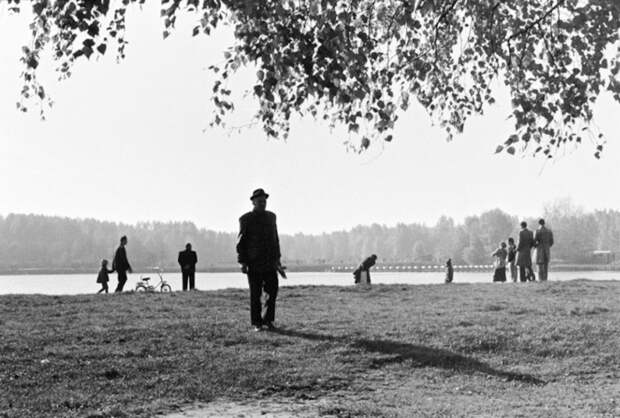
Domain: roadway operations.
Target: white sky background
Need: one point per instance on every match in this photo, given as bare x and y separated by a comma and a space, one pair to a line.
125, 142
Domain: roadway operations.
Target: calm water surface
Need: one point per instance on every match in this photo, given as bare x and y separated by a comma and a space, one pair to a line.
71, 284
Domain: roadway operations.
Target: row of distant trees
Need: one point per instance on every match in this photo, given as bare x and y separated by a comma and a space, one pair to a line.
44, 242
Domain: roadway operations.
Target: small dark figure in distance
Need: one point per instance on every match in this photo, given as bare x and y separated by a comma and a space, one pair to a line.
187, 260
544, 241
512, 259
524, 253
449, 271
500, 263
258, 250
102, 277
362, 272
121, 265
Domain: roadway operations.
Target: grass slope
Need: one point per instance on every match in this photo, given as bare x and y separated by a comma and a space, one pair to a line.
549, 349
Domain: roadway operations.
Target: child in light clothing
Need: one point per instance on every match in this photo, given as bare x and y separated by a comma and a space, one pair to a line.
500, 263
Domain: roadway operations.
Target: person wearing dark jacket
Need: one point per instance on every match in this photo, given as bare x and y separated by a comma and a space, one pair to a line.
121, 265
258, 250
364, 268
512, 259
449, 271
187, 260
544, 241
524, 253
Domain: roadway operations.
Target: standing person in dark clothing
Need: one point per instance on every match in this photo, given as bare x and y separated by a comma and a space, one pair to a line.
364, 270
187, 261
524, 253
102, 277
121, 265
512, 259
544, 241
449, 271
258, 250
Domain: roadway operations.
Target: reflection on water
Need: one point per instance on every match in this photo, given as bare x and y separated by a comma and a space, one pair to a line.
57, 284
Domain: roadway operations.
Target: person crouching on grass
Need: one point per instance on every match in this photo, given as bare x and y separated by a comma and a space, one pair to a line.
500, 263
102, 277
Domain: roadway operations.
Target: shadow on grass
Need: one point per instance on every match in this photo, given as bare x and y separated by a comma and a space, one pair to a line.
420, 356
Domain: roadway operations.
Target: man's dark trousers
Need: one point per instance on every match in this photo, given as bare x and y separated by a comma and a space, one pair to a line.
526, 273
260, 281
122, 278
188, 275
543, 271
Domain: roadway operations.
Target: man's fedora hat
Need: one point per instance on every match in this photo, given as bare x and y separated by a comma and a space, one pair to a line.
258, 193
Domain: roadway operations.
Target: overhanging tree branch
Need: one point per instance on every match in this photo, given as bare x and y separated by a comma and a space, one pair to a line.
535, 22
327, 59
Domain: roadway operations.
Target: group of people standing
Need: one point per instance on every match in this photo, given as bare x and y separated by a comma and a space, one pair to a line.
258, 250
120, 264
520, 255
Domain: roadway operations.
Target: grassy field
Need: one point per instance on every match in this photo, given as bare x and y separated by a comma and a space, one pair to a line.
533, 349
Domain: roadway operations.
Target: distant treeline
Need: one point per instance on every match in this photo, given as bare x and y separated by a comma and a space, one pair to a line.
55, 243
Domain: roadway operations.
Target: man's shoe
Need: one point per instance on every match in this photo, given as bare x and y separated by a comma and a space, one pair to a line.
257, 328
270, 326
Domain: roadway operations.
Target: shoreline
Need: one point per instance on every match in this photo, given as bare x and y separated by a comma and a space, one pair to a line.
392, 268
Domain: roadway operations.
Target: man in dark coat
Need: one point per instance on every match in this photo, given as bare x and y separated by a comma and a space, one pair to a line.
121, 265
187, 260
544, 241
365, 266
449, 271
258, 250
524, 253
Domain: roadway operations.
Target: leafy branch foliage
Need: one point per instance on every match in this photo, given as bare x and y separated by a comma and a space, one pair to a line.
361, 63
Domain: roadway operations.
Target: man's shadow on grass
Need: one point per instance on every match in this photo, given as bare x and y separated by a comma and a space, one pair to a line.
420, 356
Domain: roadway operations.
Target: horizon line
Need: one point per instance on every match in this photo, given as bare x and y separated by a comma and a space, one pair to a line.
199, 227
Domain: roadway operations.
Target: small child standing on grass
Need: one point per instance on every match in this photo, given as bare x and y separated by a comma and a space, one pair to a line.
102, 277
500, 263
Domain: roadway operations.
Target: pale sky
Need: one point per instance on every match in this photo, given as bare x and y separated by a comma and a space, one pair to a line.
125, 142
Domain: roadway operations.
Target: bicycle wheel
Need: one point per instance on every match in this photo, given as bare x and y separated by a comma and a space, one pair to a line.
140, 288
165, 288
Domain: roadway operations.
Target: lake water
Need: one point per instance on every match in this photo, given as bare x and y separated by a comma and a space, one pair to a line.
71, 284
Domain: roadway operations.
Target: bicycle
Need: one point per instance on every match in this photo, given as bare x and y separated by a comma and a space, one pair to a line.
143, 284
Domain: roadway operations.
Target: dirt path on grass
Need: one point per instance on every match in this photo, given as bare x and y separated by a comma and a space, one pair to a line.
251, 409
